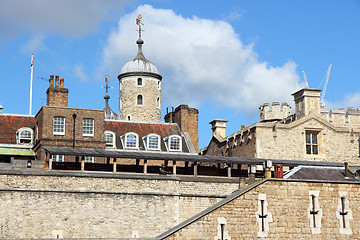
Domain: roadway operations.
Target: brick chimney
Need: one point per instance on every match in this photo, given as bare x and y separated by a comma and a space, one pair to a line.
57, 95
187, 119
218, 127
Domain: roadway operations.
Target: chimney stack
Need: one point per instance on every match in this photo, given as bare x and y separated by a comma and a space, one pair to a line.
218, 127
57, 96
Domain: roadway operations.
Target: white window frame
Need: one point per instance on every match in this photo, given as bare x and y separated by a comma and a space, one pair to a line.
58, 158
88, 159
311, 144
108, 144
19, 137
56, 125
168, 142
124, 140
147, 142
91, 133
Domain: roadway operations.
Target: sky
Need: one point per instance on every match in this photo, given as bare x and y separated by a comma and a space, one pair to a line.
225, 58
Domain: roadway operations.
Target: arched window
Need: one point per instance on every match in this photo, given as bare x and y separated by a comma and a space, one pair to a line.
130, 140
152, 142
139, 81
174, 143
158, 102
109, 138
24, 135
139, 100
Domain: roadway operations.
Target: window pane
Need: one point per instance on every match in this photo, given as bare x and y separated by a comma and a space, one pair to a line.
88, 126
139, 100
314, 138
131, 141
59, 125
308, 138
153, 142
308, 149
315, 149
174, 143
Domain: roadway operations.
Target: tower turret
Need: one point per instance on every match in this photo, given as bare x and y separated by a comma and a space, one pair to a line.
140, 87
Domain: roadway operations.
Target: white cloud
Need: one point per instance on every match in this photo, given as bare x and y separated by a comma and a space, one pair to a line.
350, 100
78, 72
68, 17
34, 45
199, 60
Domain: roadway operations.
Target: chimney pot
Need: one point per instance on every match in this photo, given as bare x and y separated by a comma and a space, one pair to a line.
51, 80
61, 82
56, 80
346, 170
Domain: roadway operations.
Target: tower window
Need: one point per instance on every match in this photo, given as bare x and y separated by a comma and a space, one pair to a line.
139, 81
139, 100
158, 102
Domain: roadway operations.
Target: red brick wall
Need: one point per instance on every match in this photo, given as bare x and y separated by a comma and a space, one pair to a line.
187, 119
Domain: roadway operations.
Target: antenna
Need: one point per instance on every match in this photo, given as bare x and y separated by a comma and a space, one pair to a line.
305, 79
31, 81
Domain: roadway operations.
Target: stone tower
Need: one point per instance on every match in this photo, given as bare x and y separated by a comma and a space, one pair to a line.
140, 88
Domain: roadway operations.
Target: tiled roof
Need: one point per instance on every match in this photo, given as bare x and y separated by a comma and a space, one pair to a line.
9, 124
164, 130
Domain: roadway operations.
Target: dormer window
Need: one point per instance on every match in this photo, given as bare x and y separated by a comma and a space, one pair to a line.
139, 81
24, 136
130, 140
109, 138
174, 143
152, 142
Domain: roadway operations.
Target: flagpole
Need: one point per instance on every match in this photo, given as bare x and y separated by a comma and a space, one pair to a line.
31, 81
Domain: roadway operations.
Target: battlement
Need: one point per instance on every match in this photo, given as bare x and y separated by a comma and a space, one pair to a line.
340, 116
275, 112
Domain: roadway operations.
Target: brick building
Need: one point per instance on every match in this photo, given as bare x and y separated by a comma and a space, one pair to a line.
312, 133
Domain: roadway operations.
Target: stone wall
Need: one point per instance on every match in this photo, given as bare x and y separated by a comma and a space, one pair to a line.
150, 90
287, 206
287, 141
89, 205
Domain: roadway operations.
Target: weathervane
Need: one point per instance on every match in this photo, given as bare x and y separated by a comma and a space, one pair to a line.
107, 84
139, 23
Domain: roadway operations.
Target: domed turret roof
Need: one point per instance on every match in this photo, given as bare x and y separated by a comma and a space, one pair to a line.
139, 63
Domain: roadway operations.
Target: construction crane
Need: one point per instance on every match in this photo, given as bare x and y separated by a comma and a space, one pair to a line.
322, 101
305, 79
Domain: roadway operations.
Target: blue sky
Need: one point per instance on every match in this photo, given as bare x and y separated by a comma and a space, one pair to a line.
225, 58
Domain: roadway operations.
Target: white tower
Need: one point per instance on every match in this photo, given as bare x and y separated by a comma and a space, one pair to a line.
140, 87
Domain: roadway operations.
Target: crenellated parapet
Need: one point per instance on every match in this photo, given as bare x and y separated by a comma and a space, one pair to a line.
340, 116
274, 112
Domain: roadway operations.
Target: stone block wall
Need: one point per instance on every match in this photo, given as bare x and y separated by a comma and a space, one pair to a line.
150, 90
288, 213
89, 205
288, 142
